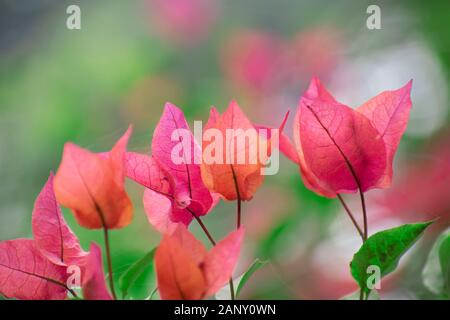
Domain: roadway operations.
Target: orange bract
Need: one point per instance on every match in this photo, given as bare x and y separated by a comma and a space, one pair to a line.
179, 274
187, 271
92, 186
234, 154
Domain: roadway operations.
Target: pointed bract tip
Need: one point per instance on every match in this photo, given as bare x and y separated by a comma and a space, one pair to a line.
407, 87
409, 84
213, 110
125, 137
170, 106
233, 104
129, 130
313, 88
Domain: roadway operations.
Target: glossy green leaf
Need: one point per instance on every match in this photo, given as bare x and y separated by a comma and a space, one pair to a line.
384, 250
257, 264
444, 259
129, 277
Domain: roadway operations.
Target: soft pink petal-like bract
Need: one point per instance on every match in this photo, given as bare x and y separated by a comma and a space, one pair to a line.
159, 211
284, 143
146, 171
221, 260
53, 236
172, 138
26, 274
93, 278
176, 191
159, 204
341, 150
389, 113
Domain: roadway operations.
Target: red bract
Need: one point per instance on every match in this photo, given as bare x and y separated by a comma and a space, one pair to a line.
53, 236
341, 150
388, 112
93, 283
36, 269
185, 270
26, 274
92, 186
175, 191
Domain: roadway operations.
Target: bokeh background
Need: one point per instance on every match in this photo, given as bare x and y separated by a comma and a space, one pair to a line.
86, 86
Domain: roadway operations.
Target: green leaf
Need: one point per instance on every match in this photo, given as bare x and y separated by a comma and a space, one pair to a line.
257, 264
239, 282
384, 250
129, 277
444, 259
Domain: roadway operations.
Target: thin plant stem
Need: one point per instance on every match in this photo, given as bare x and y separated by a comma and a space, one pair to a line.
109, 262
363, 204
238, 200
202, 225
238, 222
72, 292
347, 209
233, 296
108, 252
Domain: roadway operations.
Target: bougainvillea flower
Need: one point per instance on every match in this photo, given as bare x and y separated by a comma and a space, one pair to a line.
341, 150
175, 190
26, 274
92, 186
93, 278
53, 236
234, 154
187, 271
159, 201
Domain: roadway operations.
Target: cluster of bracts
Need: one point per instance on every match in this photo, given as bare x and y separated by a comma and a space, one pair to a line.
338, 150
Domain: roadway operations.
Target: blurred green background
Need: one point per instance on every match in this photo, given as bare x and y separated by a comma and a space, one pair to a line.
86, 86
